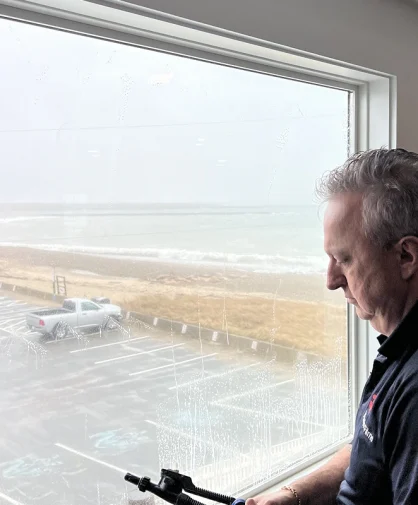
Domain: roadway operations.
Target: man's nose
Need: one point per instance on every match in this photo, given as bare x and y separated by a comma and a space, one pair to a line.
335, 278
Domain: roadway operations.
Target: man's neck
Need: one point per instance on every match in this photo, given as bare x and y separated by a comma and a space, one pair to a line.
388, 323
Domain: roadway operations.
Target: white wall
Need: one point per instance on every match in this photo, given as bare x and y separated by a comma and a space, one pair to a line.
377, 34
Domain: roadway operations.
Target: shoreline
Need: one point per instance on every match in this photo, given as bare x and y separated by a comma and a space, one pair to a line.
152, 271
295, 310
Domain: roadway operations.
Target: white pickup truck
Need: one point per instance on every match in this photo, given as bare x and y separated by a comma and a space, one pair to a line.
78, 313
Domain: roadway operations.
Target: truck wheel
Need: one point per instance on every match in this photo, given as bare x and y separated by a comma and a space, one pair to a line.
60, 331
111, 324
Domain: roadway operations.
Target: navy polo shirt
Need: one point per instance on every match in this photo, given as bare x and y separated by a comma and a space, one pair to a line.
384, 458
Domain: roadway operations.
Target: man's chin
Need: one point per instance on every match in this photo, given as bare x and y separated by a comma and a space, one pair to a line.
362, 314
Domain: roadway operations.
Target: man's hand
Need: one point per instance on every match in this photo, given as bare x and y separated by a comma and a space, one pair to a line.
318, 488
282, 497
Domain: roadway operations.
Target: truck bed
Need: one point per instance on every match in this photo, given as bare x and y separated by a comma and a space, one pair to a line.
50, 312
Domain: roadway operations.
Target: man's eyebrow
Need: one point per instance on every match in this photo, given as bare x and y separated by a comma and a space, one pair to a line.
336, 252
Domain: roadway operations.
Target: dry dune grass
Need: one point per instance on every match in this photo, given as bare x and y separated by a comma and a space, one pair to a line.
290, 310
308, 326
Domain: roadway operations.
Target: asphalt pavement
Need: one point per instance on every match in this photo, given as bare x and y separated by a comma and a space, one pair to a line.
77, 413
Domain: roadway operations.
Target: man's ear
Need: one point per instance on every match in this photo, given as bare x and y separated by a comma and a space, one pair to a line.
408, 253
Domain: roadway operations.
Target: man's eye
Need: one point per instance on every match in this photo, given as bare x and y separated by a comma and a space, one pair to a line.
343, 261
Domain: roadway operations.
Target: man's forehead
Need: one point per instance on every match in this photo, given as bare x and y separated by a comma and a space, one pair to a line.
344, 208
342, 221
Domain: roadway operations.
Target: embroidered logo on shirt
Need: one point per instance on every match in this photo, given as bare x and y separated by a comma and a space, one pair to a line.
366, 430
371, 403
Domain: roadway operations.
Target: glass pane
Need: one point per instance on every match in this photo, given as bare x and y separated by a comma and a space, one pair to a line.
178, 195
89, 306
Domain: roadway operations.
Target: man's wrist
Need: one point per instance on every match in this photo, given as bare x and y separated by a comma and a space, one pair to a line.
291, 491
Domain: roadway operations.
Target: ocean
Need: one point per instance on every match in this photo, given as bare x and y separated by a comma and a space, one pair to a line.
279, 239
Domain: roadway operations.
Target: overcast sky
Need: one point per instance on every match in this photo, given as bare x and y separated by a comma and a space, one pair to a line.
93, 121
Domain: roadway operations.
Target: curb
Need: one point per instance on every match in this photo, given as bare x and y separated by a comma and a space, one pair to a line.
31, 292
235, 342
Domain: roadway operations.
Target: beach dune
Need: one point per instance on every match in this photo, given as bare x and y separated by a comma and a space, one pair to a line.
288, 309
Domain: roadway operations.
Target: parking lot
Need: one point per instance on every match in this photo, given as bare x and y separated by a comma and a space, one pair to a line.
79, 412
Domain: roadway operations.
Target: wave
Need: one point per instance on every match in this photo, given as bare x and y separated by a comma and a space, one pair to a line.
23, 218
275, 263
106, 213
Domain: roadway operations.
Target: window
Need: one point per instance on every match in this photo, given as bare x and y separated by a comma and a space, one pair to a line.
69, 305
89, 306
182, 190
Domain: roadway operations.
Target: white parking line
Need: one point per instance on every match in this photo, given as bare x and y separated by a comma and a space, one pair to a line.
8, 321
192, 435
173, 364
12, 304
22, 306
108, 345
10, 500
138, 354
251, 391
69, 449
14, 325
245, 410
276, 416
17, 320
5, 303
10, 318
4, 307
20, 328
14, 322
10, 313
62, 340
7, 331
211, 377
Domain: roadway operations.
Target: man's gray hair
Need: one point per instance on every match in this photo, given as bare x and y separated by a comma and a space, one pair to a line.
388, 179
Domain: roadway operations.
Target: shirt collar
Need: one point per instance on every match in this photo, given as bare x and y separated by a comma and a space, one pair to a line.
404, 335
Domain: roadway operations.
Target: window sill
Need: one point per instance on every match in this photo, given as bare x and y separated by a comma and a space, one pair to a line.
298, 475
292, 474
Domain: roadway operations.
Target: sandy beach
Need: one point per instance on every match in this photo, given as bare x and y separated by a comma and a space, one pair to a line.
290, 309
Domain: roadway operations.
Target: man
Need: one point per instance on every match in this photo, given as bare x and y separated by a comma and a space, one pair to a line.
371, 239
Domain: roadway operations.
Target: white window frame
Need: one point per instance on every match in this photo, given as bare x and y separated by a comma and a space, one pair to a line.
373, 103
